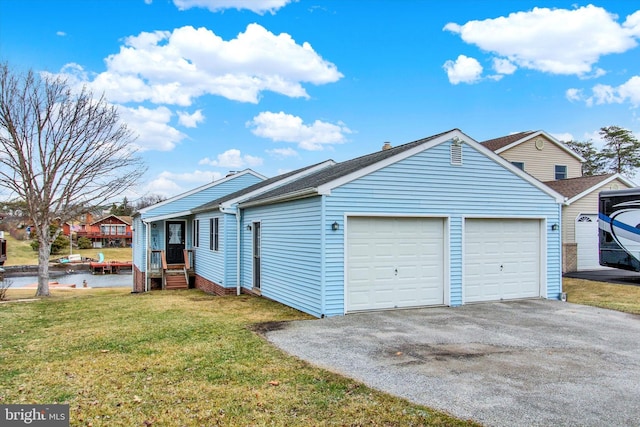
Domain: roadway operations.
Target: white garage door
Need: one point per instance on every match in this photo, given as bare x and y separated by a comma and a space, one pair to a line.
394, 262
587, 241
501, 259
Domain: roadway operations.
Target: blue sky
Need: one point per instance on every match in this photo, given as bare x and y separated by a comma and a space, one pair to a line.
212, 86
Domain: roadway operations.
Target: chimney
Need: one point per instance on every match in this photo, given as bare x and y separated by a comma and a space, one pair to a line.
386, 146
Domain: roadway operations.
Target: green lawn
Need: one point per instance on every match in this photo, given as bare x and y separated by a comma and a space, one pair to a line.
606, 295
19, 252
174, 358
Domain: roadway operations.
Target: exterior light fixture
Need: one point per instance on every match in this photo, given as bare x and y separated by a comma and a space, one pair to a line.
335, 226
249, 227
554, 227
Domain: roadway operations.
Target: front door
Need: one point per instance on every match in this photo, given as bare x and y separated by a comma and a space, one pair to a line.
257, 243
175, 242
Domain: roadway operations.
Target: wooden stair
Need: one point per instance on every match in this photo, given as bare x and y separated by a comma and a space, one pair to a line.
175, 279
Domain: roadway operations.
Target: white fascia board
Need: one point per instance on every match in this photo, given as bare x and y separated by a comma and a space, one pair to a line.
325, 189
239, 199
590, 190
167, 216
201, 188
559, 198
549, 137
300, 194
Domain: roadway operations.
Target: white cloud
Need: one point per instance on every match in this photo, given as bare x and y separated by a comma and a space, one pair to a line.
190, 120
606, 94
556, 41
564, 137
282, 153
257, 6
232, 158
61, 33
574, 94
152, 127
174, 67
169, 183
504, 66
288, 128
463, 70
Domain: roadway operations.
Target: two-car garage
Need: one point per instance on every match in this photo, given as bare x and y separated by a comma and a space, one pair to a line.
399, 262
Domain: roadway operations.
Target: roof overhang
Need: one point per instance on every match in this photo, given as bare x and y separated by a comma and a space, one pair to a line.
602, 183
546, 135
167, 216
300, 194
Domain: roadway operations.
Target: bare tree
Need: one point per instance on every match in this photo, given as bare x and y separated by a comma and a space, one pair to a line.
60, 151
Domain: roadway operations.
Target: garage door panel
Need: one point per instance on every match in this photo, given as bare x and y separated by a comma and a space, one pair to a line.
405, 256
502, 259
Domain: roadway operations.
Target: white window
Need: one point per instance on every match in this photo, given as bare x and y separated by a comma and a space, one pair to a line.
561, 172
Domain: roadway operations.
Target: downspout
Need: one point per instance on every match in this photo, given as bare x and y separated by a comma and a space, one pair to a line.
238, 213
323, 245
238, 252
146, 255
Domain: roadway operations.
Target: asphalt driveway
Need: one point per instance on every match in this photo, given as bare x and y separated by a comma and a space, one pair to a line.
520, 363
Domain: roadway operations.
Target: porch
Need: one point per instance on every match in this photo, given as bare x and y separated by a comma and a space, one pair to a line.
161, 275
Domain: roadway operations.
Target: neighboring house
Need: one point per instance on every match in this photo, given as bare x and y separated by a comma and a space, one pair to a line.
163, 232
438, 221
103, 230
549, 160
580, 217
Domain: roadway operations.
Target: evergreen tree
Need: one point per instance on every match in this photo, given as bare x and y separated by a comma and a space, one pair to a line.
621, 153
594, 163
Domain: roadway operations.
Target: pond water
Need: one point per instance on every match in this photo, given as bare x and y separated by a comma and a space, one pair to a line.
121, 280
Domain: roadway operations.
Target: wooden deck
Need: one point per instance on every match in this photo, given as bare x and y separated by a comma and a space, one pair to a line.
109, 267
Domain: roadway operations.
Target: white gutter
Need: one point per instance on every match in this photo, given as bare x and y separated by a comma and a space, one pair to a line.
237, 213
238, 223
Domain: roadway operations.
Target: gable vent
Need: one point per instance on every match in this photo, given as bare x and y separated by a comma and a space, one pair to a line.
456, 152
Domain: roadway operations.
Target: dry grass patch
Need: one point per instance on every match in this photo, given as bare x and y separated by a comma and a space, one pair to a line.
624, 298
177, 358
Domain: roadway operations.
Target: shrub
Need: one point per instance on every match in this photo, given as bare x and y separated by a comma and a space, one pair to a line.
84, 243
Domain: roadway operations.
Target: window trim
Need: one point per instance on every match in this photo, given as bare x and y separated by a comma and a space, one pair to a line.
214, 234
566, 172
196, 233
519, 165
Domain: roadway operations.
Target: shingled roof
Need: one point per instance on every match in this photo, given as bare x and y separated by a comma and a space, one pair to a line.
573, 186
498, 143
339, 170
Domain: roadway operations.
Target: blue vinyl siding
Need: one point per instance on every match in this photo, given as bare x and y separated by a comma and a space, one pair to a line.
211, 264
139, 243
207, 194
291, 253
427, 184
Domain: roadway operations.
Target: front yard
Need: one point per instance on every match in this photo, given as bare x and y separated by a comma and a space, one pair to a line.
176, 358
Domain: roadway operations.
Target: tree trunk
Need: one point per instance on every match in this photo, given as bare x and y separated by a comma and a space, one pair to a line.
43, 264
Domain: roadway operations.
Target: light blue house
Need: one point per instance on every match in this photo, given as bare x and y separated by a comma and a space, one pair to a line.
164, 231
438, 221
